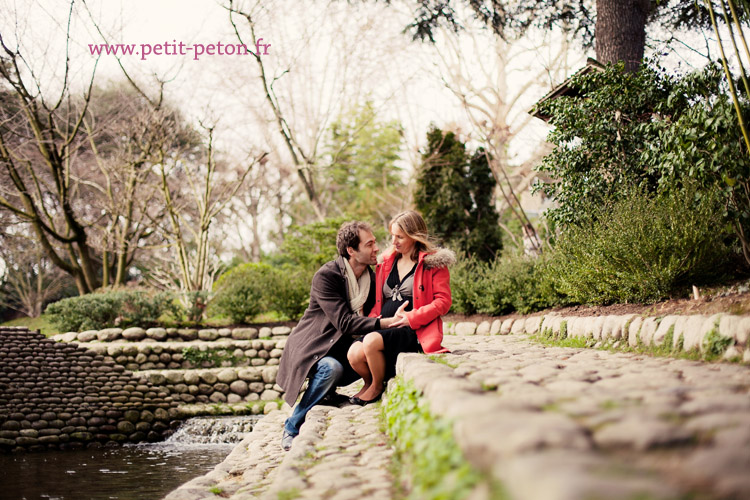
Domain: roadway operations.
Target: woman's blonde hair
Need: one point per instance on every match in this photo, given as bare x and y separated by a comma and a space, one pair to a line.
413, 225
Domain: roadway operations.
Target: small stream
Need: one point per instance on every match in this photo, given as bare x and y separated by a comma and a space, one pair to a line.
131, 472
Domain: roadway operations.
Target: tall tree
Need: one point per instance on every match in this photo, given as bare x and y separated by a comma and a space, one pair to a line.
40, 136
360, 166
616, 28
454, 191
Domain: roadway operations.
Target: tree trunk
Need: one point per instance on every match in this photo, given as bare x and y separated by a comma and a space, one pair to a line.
621, 31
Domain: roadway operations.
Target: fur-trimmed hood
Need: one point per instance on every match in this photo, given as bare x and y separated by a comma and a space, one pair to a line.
442, 257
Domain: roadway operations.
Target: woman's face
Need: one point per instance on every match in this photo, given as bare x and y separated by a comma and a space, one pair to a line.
401, 241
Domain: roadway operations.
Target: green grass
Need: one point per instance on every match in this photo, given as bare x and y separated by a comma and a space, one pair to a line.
714, 345
424, 444
41, 323
441, 359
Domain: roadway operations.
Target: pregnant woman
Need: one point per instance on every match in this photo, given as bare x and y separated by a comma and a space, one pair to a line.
413, 273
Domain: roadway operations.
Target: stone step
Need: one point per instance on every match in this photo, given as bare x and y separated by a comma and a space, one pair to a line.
137, 356
340, 453
598, 424
217, 385
630, 329
137, 334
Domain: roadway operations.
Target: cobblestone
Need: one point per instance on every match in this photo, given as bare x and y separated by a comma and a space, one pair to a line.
563, 423
547, 423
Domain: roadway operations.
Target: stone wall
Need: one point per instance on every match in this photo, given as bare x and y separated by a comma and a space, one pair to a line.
58, 395
196, 365
688, 332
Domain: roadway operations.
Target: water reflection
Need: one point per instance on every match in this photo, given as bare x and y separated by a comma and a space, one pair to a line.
125, 473
131, 472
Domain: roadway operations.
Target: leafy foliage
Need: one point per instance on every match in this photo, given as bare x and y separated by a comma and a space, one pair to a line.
108, 309
250, 289
360, 166
641, 248
243, 292
510, 283
311, 245
425, 444
510, 19
645, 129
454, 192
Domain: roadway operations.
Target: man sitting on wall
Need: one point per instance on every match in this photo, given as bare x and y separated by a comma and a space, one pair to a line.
342, 294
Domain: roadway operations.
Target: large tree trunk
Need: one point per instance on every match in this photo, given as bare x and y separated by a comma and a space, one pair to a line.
621, 31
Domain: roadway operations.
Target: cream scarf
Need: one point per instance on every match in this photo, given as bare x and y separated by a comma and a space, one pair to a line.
359, 289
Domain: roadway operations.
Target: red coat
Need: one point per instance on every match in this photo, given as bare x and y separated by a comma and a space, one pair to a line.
432, 295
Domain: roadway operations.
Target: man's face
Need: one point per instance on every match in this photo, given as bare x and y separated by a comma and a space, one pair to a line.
367, 252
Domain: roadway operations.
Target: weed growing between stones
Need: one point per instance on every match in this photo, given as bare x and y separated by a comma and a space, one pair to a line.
666, 348
489, 386
441, 359
715, 344
209, 357
216, 490
424, 444
289, 494
548, 337
563, 330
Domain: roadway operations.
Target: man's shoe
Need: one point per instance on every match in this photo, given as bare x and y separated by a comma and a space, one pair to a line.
286, 441
333, 398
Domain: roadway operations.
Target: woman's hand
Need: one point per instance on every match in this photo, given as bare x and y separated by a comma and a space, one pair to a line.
398, 320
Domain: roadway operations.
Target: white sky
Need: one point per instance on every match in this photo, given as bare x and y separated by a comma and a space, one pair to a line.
197, 86
397, 73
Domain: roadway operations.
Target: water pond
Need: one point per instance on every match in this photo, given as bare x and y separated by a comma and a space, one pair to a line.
135, 472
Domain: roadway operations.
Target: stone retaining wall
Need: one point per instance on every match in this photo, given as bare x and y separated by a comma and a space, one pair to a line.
57, 395
137, 334
138, 356
196, 365
691, 332
218, 385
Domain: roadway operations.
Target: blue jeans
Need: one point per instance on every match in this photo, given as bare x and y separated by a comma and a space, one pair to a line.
323, 377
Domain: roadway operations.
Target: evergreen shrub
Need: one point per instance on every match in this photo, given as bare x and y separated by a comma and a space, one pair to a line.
108, 309
250, 289
641, 249
243, 292
511, 283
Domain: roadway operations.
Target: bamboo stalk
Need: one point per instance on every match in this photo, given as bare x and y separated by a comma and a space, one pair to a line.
736, 50
729, 75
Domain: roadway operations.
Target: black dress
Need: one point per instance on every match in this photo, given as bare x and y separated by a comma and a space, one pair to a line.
401, 339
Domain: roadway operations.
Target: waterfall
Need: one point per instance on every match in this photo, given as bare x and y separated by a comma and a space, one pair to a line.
213, 430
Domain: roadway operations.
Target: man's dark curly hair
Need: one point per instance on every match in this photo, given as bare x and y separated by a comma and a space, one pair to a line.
348, 236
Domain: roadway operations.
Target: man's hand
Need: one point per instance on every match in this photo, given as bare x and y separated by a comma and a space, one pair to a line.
398, 320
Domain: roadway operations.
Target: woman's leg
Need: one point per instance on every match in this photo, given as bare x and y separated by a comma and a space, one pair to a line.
373, 346
357, 359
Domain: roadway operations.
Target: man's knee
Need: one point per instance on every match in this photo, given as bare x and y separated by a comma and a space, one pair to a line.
328, 367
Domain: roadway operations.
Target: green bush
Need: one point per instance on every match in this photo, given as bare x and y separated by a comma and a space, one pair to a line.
511, 283
107, 309
250, 289
243, 292
641, 249
292, 294
466, 285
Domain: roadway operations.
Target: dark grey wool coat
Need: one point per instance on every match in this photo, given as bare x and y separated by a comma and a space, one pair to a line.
327, 318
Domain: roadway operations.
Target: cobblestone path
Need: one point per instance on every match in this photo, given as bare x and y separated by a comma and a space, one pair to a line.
547, 422
340, 454
562, 423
